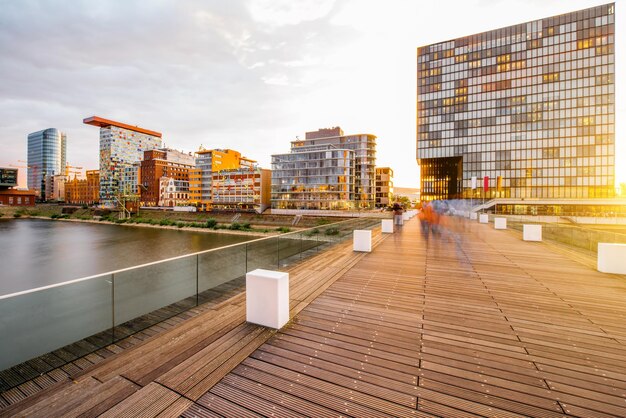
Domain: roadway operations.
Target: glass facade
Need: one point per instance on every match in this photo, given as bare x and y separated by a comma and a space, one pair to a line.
529, 107
8, 177
46, 158
327, 170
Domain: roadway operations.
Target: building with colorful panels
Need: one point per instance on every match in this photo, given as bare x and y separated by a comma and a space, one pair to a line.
121, 149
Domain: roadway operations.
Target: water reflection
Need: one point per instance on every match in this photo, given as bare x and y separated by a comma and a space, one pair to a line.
35, 253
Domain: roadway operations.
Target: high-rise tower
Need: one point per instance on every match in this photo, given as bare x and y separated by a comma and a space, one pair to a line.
121, 150
528, 109
46, 158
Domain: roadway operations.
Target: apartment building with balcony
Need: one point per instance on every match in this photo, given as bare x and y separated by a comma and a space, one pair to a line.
209, 162
384, 186
326, 171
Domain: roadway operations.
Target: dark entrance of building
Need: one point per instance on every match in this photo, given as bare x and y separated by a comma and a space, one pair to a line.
441, 178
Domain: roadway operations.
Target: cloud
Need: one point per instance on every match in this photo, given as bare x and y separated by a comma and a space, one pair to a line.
243, 74
197, 71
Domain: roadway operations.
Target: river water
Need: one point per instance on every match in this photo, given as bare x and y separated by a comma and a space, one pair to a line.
36, 253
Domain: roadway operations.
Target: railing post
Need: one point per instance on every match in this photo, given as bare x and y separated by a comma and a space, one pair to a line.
112, 308
197, 279
278, 252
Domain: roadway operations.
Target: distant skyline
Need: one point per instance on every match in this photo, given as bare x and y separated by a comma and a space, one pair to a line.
247, 75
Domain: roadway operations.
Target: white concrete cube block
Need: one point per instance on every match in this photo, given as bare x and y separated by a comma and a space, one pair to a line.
532, 232
499, 223
484, 218
387, 226
473, 216
362, 240
612, 258
267, 298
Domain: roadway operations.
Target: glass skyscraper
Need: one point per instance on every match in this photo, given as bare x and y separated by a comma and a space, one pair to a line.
528, 109
46, 157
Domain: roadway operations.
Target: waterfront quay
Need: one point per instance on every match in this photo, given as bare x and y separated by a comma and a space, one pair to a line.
470, 322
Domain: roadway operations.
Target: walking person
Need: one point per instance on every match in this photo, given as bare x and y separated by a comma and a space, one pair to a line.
397, 214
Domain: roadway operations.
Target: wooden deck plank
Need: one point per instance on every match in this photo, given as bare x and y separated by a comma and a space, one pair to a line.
474, 322
149, 401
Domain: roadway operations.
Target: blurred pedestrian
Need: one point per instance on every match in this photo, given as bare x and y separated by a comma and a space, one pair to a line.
397, 214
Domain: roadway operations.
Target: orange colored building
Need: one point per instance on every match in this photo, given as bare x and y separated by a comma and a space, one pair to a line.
83, 191
207, 163
159, 163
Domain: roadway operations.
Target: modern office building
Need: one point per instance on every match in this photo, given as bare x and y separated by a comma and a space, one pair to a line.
527, 110
164, 163
384, 186
246, 189
9, 195
326, 170
83, 191
8, 178
209, 162
121, 150
46, 157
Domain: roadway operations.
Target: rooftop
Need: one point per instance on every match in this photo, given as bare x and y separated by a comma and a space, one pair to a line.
471, 322
103, 123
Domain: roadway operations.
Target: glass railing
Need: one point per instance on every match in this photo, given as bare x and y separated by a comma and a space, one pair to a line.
99, 310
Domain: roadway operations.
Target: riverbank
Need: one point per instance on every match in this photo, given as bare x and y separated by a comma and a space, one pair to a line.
249, 232
226, 223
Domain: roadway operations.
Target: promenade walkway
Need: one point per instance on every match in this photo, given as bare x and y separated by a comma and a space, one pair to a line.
473, 322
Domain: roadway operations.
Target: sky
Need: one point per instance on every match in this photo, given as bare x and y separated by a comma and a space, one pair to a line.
250, 75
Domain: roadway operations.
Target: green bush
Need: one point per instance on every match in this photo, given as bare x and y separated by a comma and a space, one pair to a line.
17, 215
312, 232
165, 222
283, 229
235, 226
332, 231
181, 224
54, 216
211, 223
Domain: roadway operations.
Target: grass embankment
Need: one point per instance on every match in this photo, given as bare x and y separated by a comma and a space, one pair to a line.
245, 222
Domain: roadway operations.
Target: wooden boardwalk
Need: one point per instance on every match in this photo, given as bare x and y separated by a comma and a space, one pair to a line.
473, 322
